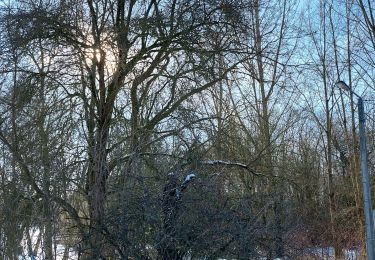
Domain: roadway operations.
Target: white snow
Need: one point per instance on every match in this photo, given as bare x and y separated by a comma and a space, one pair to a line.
189, 177
329, 252
213, 162
34, 234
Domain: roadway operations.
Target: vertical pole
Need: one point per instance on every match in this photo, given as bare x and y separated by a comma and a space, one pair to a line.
366, 183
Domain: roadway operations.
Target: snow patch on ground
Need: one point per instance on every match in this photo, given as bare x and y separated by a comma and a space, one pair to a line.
58, 251
327, 253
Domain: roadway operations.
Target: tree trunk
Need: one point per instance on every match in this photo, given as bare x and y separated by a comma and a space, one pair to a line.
277, 249
45, 162
168, 248
98, 172
354, 154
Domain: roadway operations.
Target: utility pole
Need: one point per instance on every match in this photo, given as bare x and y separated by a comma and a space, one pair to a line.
369, 223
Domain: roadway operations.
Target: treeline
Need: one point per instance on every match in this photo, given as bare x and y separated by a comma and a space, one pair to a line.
182, 129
